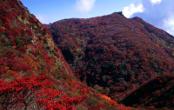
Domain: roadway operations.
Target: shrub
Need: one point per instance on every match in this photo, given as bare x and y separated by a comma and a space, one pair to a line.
35, 91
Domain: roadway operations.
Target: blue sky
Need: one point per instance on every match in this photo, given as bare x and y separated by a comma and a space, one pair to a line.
52, 10
157, 12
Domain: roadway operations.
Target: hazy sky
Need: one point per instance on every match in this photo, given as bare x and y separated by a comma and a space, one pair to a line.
157, 12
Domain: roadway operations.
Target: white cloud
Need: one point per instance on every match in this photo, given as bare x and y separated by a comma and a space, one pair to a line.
156, 12
154, 2
169, 24
85, 5
128, 11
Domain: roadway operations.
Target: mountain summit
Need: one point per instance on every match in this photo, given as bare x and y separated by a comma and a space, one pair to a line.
118, 56
120, 59
33, 72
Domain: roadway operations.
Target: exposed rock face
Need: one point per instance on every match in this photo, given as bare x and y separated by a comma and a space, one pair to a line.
113, 54
33, 72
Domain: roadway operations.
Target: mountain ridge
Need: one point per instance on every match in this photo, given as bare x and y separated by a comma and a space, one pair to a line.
104, 52
114, 54
33, 72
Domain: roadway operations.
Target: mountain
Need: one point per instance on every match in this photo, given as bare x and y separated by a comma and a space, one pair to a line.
33, 72
157, 92
118, 56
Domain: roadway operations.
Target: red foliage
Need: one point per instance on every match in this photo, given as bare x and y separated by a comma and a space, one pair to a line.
42, 88
105, 52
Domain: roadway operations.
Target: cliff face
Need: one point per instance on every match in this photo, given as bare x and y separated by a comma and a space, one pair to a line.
113, 54
33, 72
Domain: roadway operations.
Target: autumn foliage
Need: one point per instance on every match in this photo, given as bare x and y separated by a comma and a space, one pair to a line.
35, 76
24, 91
113, 54
33, 72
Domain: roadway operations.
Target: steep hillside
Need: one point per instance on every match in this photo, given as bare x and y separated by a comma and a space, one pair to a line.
157, 92
113, 54
33, 72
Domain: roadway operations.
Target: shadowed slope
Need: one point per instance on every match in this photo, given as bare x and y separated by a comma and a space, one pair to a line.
156, 92
33, 72
113, 54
